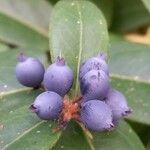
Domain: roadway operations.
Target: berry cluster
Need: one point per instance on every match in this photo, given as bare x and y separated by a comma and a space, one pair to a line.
99, 107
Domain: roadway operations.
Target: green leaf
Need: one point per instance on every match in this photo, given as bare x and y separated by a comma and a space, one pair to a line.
77, 35
19, 128
122, 138
24, 23
147, 4
72, 138
141, 130
3, 47
131, 60
106, 7
129, 15
8, 61
129, 68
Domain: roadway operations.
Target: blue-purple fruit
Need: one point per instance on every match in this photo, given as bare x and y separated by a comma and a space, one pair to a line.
118, 104
29, 71
47, 105
58, 77
94, 85
94, 63
96, 115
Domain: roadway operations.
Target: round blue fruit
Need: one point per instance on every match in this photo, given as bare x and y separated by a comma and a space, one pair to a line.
118, 104
29, 71
96, 115
94, 63
58, 77
94, 85
47, 105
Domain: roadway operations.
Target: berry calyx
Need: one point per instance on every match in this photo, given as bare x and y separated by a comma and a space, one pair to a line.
60, 61
71, 111
22, 57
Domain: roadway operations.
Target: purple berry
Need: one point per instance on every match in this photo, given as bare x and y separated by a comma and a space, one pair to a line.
118, 104
94, 63
58, 77
47, 105
94, 85
29, 71
96, 115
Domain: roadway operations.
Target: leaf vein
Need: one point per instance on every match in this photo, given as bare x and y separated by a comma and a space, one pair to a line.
80, 47
26, 23
24, 133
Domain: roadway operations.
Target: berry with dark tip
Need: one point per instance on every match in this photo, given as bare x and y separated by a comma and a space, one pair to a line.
94, 63
94, 85
47, 105
29, 71
118, 104
102, 56
96, 115
58, 77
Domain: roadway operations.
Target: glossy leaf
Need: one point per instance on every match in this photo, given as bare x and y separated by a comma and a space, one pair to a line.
106, 7
130, 60
77, 35
72, 138
19, 128
141, 130
129, 67
147, 4
122, 138
24, 22
129, 15
8, 61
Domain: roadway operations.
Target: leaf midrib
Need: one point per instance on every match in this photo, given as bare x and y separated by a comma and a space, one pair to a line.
80, 47
130, 78
14, 91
